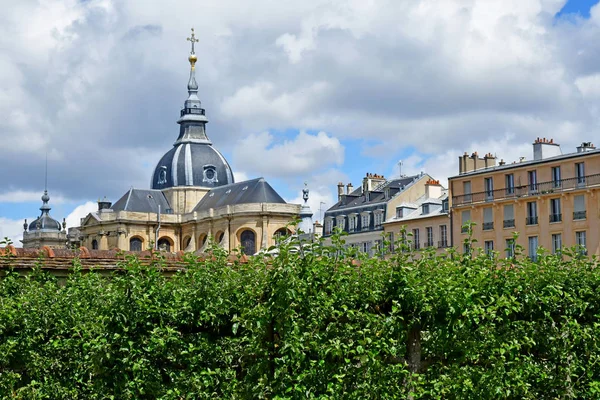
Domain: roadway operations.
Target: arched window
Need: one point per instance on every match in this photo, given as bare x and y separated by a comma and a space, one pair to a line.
202, 240
186, 242
248, 242
135, 244
164, 244
94, 244
282, 232
219, 237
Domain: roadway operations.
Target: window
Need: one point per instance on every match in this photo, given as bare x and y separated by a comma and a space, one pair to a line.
329, 225
489, 188
391, 239
509, 181
94, 244
532, 218
532, 181
580, 241
416, 239
378, 218
467, 248
164, 244
580, 173
465, 219
556, 177
556, 243
135, 244
489, 247
443, 236
365, 221
341, 222
425, 208
579, 207
555, 215
399, 212
352, 222
533, 247
509, 216
510, 248
488, 219
445, 206
365, 248
467, 191
429, 231
248, 242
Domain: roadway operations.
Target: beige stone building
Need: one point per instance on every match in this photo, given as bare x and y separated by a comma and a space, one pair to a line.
193, 199
426, 221
552, 200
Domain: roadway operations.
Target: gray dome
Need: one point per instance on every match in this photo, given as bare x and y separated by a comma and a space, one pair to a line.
45, 222
192, 164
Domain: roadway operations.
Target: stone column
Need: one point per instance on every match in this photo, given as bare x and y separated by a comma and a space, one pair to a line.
121, 239
265, 227
103, 245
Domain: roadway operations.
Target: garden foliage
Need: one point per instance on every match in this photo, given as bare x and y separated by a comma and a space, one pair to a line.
307, 324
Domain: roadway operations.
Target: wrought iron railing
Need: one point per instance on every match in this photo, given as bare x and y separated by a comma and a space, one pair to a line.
428, 243
508, 223
555, 217
534, 189
531, 220
488, 226
579, 215
192, 110
443, 244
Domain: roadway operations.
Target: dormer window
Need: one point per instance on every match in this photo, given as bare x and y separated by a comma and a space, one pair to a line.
445, 206
425, 208
399, 212
210, 174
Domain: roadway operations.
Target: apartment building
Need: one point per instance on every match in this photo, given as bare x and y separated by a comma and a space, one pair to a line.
362, 212
426, 222
551, 200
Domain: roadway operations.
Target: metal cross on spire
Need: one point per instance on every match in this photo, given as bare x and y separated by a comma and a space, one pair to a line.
193, 40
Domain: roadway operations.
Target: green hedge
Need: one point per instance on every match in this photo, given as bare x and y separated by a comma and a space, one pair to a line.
308, 325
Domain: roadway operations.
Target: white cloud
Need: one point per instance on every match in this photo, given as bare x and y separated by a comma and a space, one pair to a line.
22, 196
81, 211
13, 229
302, 156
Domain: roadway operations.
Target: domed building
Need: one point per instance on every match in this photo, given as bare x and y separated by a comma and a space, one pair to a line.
44, 230
193, 199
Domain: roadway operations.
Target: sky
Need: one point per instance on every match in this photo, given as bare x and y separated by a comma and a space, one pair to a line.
317, 91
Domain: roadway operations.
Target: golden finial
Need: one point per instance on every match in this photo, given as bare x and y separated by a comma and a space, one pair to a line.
192, 56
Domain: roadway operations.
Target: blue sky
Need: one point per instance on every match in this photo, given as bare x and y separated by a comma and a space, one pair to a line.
317, 91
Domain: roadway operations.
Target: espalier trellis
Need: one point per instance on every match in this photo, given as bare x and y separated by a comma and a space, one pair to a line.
310, 322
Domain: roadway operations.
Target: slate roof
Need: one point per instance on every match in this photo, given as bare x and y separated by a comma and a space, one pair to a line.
435, 208
252, 191
357, 198
142, 200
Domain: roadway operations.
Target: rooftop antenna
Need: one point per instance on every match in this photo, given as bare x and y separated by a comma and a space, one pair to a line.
46, 176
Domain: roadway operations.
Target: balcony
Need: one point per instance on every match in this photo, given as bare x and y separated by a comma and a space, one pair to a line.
579, 215
197, 111
555, 217
537, 189
488, 226
442, 244
531, 220
509, 223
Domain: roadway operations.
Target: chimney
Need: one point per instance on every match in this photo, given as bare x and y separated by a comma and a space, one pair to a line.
545, 148
433, 189
104, 204
340, 186
585, 146
350, 188
489, 160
